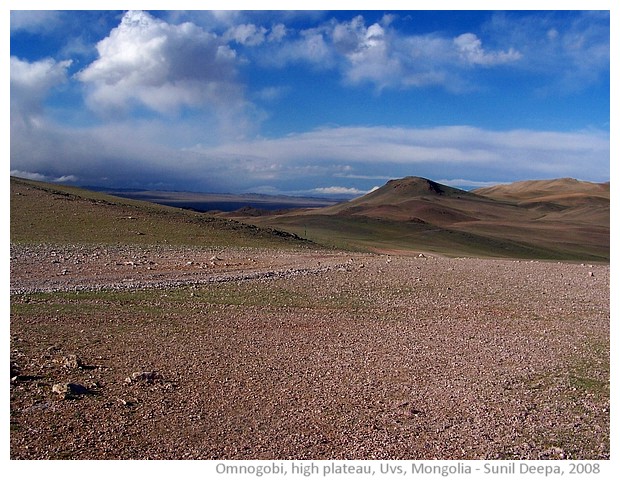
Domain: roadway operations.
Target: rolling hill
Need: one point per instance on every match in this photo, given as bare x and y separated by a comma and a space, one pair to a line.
51, 213
564, 199
559, 219
563, 191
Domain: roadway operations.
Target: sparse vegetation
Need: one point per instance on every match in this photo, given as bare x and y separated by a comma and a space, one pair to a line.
44, 213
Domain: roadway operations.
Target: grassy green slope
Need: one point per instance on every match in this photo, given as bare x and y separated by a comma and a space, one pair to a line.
42, 212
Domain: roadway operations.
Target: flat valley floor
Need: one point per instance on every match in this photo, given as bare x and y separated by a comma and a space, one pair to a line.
189, 353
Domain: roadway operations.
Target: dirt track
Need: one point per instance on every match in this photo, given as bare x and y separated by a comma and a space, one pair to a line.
255, 354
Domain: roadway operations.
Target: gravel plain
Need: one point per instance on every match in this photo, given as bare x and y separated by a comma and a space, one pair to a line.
122, 352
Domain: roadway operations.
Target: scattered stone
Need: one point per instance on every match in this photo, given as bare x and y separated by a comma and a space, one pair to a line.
555, 453
127, 403
14, 370
72, 361
147, 377
69, 390
461, 400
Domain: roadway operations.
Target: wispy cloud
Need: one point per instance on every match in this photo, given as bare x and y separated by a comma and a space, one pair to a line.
533, 153
246, 34
34, 21
386, 57
335, 190
467, 184
573, 50
44, 178
470, 49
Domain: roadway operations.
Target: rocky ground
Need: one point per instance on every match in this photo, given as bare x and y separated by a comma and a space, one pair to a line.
188, 353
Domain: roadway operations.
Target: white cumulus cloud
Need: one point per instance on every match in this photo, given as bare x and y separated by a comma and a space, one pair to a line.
38, 77
31, 82
368, 51
149, 62
277, 33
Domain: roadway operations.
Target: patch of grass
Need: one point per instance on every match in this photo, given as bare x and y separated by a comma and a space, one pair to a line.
590, 371
589, 384
159, 302
582, 386
275, 294
587, 373
151, 301
254, 295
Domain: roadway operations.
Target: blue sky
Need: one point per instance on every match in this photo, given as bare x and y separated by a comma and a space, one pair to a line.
309, 102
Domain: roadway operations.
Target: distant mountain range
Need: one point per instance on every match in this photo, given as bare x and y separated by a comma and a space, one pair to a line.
208, 202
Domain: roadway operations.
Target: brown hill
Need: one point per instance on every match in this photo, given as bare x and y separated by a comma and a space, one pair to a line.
544, 219
563, 191
564, 199
420, 199
405, 188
